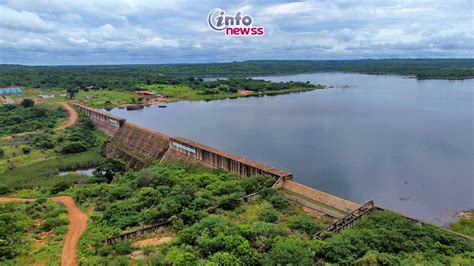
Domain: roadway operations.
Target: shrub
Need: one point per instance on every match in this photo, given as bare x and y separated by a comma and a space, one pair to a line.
4, 189
268, 215
290, 251
278, 202
305, 224
60, 187
53, 222
27, 103
225, 258
230, 202
73, 147
123, 247
2, 153
26, 150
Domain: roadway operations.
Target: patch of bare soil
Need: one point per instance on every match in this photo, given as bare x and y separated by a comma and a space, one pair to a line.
246, 92
152, 241
8, 199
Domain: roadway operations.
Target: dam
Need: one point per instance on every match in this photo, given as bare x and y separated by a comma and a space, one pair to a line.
140, 146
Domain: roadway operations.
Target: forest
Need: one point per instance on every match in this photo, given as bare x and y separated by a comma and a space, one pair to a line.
127, 76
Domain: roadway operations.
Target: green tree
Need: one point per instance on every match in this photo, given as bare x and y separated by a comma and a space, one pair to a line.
290, 251
109, 168
27, 103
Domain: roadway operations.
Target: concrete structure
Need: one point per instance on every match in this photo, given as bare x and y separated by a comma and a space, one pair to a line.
107, 123
318, 200
216, 158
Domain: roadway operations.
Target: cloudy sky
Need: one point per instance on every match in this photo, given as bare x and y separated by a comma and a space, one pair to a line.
51, 32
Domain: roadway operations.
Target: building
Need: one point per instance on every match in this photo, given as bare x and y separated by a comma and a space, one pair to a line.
12, 90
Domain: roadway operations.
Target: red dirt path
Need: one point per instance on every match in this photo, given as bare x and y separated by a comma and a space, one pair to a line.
77, 225
72, 117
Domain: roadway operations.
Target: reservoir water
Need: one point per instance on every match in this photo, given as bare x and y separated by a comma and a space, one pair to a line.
406, 143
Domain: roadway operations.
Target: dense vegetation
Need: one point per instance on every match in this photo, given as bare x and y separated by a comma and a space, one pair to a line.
18, 118
31, 232
125, 76
209, 224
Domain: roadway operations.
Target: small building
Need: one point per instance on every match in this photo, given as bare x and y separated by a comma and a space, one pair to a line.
46, 96
10, 91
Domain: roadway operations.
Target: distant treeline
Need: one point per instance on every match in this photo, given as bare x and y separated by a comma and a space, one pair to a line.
125, 76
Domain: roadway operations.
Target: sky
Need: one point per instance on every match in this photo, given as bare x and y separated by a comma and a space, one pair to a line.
73, 32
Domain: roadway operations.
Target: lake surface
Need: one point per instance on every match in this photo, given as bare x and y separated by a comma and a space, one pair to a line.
406, 143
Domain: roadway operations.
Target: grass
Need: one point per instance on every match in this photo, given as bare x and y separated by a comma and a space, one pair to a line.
184, 92
465, 225
44, 172
105, 98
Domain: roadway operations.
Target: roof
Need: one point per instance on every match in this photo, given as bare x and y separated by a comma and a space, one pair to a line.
261, 166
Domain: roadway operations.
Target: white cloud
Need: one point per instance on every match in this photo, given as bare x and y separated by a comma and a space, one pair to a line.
120, 30
23, 21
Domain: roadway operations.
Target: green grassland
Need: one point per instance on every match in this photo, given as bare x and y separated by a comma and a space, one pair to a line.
465, 225
105, 98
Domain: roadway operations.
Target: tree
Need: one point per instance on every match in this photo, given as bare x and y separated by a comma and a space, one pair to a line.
109, 168
27, 103
73, 147
290, 251
71, 91
2, 153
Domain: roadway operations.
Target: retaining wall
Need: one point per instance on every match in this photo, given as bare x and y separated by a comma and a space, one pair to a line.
107, 123
315, 199
142, 141
215, 158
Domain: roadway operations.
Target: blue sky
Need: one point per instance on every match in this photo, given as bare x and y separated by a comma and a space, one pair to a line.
51, 32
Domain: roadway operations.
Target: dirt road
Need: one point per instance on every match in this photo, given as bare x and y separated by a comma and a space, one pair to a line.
72, 117
77, 225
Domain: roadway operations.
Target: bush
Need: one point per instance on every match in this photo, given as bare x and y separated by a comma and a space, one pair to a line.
2, 153
4, 189
230, 202
60, 187
53, 222
268, 215
123, 247
279, 202
225, 258
27, 103
73, 147
290, 251
26, 150
305, 224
